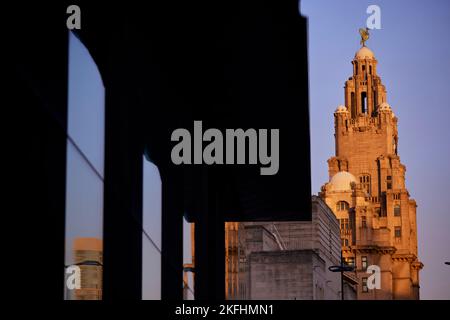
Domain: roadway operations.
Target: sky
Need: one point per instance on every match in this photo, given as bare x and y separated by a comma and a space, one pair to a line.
413, 52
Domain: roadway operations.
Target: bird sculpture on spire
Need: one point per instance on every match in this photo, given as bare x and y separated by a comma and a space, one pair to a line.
364, 35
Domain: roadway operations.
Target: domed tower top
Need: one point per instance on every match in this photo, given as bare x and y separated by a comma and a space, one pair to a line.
364, 53
364, 91
342, 181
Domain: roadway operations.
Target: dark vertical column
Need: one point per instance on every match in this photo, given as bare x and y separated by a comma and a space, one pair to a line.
210, 242
218, 230
172, 236
37, 100
123, 176
122, 202
37, 207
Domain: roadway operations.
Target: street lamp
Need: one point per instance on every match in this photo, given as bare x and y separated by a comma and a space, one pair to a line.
341, 268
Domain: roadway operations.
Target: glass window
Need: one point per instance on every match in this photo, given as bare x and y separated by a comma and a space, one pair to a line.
151, 270
398, 232
344, 224
342, 206
397, 210
84, 176
363, 222
389, 182
188, 260
350, 261
151, 206
151, 237
364, 285
364, 262
86, 111
365, 183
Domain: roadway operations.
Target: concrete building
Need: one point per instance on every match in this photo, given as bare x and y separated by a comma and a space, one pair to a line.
284, 260
367, 190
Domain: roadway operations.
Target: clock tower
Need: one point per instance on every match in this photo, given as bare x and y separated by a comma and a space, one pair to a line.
367, 189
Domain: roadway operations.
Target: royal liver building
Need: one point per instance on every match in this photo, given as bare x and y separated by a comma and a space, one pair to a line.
367, 189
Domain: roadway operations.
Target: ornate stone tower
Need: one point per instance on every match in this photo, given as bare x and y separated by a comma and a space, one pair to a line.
367, 189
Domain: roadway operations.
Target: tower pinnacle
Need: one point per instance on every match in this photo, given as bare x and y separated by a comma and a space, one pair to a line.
364, 36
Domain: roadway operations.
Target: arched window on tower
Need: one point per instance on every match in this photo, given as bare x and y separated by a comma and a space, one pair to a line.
389, 182
342, 206
374, 94
363, 102
397, 211
364, 180
394, 145
353, 102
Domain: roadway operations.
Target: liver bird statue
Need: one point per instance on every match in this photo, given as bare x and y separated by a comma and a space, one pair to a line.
364, 35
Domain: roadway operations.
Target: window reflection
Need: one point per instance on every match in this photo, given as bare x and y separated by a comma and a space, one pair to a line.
86, 112
151, 237
188, 260
151, 270
84, 176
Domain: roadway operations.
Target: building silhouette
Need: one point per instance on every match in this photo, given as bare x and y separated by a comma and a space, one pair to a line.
367, 189
161, 68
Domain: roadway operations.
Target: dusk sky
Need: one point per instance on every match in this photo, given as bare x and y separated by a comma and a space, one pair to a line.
413, 53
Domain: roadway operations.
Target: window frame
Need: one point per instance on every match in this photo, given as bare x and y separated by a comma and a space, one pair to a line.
364, 286
342, 206
364, 262
397, 210
348, 263
365, 181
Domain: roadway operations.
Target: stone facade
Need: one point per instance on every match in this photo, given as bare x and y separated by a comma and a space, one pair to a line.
284, 260
367, 190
